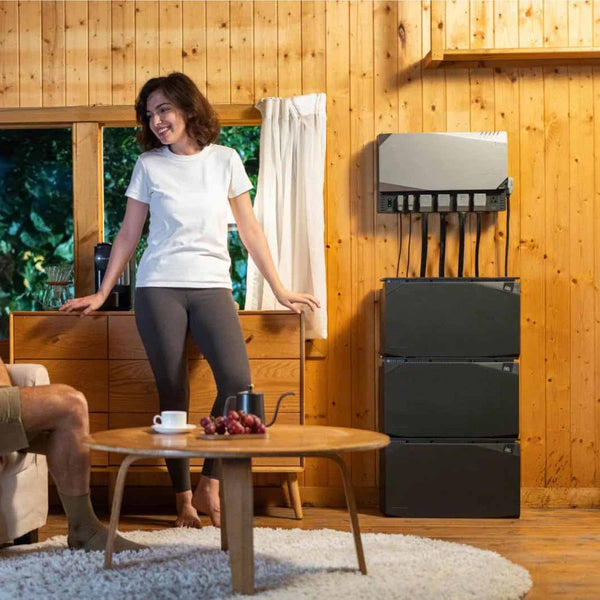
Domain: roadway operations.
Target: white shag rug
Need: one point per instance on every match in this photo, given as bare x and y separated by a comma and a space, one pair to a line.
289, 563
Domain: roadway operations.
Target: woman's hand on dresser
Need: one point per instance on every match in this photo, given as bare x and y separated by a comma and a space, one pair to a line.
293, 299
87, 304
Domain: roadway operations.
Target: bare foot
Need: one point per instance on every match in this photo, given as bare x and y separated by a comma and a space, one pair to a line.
187, 515
206, 499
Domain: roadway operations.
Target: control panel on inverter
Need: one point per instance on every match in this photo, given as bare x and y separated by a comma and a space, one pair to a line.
442, 172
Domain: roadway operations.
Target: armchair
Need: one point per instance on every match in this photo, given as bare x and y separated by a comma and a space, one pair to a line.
23, 476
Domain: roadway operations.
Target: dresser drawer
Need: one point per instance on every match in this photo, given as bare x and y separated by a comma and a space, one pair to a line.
132, 387
90, 377
269, 335
59, 336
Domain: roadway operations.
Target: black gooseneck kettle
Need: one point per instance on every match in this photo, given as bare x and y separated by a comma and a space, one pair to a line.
253, 403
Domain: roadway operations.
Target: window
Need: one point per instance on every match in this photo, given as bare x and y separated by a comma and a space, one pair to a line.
120, 153
36, 214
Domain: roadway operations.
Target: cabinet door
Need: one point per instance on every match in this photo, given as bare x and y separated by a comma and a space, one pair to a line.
59, 336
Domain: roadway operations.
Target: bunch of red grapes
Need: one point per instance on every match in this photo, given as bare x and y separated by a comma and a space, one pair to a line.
236, 422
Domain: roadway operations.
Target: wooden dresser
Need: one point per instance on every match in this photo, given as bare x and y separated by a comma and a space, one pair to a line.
102, 356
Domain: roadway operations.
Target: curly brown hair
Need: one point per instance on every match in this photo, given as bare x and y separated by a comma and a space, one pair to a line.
201, 121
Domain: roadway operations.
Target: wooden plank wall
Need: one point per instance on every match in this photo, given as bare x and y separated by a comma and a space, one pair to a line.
366, 56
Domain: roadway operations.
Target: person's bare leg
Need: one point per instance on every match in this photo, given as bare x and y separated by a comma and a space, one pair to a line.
62, 411
206, 499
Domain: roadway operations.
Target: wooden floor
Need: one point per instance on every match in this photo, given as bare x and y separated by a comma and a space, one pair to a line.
559, 547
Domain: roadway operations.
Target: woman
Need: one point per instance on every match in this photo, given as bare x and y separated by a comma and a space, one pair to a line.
183, 279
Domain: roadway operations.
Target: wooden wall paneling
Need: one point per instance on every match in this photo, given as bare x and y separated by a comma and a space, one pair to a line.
506, 103
242, 41
88, 209
533, 288
596, 76
482, 24
456, 29
194, 42
558, 309
410, 120
315, 413
339, 258
386, 86
313, 46
581, 124
217, 52
30, 53
313, 81
146, 42
362, 211
99, 48
53, 53
123, 52
170, 36
556, 24
434, 119
581, 23
9, 54
76, 53
458, 111
531, 23
289, 48
482, 119
506, 24
265, 49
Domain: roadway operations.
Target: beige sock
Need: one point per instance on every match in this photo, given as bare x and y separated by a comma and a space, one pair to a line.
85, 530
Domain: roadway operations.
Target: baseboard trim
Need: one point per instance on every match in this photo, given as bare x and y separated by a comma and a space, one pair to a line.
552, 497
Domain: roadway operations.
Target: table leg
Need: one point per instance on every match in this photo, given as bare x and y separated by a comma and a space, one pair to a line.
351, 502
116, 509
222, 503
238, 495
294, 488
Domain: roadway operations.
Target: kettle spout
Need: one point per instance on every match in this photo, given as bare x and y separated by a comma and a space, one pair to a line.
277, 407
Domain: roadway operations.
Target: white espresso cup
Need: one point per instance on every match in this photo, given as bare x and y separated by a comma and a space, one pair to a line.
171, 418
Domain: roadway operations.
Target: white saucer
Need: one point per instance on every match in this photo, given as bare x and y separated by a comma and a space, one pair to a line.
164, 429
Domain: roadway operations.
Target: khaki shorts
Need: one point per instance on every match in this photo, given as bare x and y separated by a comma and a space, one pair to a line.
12, 432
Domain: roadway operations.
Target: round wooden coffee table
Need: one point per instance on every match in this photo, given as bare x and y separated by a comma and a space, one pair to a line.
235, 455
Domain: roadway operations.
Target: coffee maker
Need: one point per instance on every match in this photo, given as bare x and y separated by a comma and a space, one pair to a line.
122, 294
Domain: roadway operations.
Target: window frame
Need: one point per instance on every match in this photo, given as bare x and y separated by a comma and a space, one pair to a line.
87, 123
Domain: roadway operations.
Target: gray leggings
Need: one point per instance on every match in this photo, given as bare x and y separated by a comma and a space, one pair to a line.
163, 316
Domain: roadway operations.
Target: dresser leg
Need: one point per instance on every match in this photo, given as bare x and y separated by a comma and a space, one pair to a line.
239, 502
351, 502
116, 509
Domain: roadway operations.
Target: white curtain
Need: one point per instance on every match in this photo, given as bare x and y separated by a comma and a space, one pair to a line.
289, 203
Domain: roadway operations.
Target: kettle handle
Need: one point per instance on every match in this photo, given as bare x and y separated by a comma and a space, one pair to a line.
228, 405
277, 406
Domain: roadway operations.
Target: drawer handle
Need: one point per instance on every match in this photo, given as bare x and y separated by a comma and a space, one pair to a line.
249, 338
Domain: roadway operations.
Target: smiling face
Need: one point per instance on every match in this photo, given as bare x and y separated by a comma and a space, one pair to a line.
167, 122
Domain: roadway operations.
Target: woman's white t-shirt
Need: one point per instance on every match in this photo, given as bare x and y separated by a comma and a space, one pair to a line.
188, 197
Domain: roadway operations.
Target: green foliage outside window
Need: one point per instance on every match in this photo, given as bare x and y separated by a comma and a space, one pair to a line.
36, 206
36, 214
